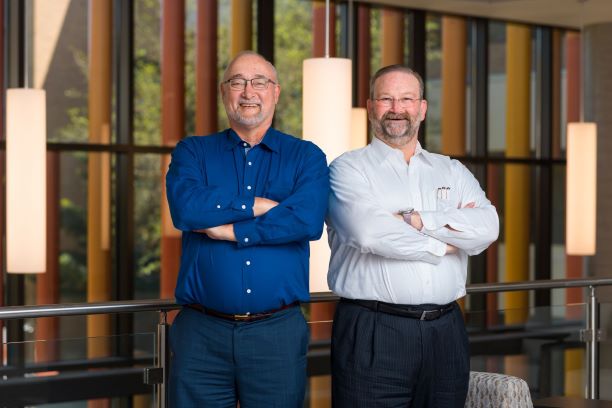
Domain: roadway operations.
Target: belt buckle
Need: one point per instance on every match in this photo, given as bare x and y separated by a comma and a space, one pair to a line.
242, 317
425, 312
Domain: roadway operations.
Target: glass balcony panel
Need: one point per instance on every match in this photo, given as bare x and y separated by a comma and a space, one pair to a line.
605, 348
105, 369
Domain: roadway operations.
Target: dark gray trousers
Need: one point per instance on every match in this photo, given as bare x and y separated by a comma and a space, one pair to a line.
383, 360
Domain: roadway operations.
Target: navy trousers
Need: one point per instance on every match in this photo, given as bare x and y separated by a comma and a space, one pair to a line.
383, 360
215, 362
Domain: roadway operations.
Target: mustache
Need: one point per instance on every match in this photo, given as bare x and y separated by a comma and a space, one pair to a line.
248, 101
395, 116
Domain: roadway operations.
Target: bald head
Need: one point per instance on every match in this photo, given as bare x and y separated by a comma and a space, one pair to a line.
250, 55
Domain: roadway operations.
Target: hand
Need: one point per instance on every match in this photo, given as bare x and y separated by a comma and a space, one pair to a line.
415, 220
468, 205
220, 233
262, 206
451, 249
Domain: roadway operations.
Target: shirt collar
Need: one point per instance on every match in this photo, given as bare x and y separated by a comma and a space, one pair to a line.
270, 140
383, 151
423, 154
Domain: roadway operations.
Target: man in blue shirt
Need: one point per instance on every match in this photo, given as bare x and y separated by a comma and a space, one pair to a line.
248, 200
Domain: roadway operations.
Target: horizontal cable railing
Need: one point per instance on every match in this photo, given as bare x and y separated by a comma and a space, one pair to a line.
74, 309
157, 374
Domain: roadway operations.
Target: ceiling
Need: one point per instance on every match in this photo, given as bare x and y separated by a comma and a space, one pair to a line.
562, 13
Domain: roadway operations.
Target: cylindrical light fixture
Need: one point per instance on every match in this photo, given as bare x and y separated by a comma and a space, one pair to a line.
326, 121
359, 128
581, 189
26, 183
327, 100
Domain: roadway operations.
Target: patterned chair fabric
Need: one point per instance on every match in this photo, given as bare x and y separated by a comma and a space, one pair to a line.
497, 391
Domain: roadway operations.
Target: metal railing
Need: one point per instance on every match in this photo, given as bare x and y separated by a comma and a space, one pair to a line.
590, 335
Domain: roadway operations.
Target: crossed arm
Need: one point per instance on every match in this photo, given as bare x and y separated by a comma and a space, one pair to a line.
225, 232
221, 215
415, 221
361, 222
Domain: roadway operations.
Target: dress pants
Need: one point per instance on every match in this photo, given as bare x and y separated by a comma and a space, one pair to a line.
384, 360
216, 362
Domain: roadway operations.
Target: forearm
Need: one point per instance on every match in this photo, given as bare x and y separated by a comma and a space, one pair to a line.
374, 230
220, 233
469, 229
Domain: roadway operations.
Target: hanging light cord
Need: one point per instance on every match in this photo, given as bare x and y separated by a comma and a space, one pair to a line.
582, 64
326, 28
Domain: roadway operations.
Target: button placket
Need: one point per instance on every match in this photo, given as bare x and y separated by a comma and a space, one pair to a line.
246, 281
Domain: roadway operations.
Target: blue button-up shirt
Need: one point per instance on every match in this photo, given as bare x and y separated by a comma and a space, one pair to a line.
213, 180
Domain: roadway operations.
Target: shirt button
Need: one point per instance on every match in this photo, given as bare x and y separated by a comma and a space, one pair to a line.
243, 207
248, 290
248, 187
250, 164
248, 263
218, 206
245, 144
246, 239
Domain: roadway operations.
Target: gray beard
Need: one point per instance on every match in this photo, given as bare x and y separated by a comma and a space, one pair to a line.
246, 121
383, 132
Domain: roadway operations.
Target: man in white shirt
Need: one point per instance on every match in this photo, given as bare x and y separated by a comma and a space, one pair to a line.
402, 222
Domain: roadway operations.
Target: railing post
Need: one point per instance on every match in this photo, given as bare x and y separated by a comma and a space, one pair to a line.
592, 346
162, 354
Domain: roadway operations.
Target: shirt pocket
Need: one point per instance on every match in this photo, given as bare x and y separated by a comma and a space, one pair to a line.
277, 191
446, 197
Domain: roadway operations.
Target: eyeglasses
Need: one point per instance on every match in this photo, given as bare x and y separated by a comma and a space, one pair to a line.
258, 84
387, 101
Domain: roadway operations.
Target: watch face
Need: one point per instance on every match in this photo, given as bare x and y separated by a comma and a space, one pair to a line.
406, 211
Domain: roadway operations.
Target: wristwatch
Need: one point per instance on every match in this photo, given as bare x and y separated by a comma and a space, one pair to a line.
407, 215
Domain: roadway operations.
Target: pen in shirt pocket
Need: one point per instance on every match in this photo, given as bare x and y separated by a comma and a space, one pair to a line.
443, 193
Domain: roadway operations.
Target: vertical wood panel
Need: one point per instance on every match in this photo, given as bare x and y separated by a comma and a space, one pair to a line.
242, 26
47, 284
206, 67
573, 263
363, 54
517, 188
98, 256
454, 62
173, 121
392, 39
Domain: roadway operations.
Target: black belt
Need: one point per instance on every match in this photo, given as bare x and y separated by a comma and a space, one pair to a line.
247, 317
413, 312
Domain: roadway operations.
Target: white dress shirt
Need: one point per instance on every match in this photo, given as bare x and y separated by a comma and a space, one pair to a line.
379, 257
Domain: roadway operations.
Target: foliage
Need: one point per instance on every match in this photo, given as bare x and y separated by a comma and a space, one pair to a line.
73, 257
293, 44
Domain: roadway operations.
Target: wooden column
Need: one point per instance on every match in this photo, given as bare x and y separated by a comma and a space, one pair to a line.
392, 39
493, 250
206, 67
454, 61
573, 358
242, 22
573, 263
47, 284
173, 120
98, 193
98, 206
318, 29
517, 188
363, 54
557, 36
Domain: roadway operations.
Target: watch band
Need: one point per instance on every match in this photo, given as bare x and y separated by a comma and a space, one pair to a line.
407, 215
